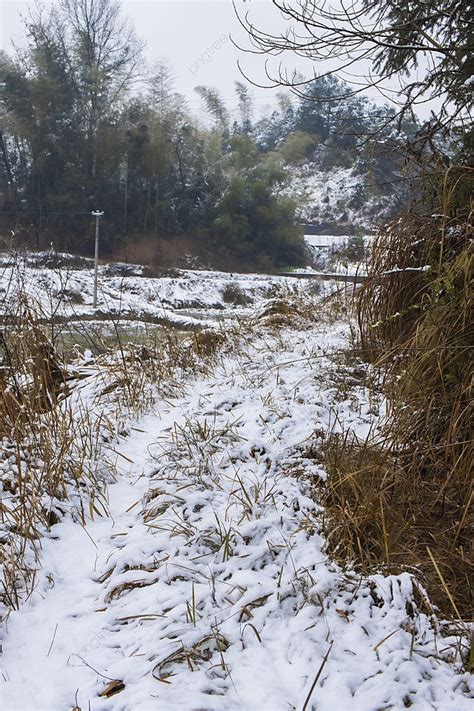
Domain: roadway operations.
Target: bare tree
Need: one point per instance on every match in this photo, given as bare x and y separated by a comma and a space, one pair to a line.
106, 57
427, 47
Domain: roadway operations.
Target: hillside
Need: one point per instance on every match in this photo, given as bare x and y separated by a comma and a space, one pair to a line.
339, 201
234, 190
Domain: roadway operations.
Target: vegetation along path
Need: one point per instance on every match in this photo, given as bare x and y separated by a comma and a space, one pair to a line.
207, 585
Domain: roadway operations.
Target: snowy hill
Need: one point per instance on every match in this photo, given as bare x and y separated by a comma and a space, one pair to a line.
339, 201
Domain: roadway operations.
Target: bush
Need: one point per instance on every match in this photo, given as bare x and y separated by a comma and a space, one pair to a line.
415, 315
232, 293
252, 223
296, 146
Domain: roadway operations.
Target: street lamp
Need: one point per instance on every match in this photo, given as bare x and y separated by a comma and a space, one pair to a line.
97, 214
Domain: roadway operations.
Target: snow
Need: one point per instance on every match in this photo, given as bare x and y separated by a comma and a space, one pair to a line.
177, 300
401, 270
208, 585
338, 198
326, 241
325, 251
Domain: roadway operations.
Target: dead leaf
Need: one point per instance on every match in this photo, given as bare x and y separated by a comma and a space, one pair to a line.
114, 687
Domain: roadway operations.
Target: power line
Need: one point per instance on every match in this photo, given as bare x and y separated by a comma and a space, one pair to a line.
45, 211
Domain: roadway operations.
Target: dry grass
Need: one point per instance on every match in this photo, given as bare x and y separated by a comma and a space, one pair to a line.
232, 293
390, 300
48, 450
54, 444
380, 516
408, 503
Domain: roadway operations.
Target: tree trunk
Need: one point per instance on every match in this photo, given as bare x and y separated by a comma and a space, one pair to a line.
11, 180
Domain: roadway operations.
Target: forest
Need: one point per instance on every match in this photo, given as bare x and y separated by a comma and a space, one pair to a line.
85, 126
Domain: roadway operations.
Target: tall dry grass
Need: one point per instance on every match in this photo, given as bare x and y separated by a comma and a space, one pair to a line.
50, 450
408, 503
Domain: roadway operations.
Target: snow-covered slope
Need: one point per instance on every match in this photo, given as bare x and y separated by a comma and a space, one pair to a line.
339, 200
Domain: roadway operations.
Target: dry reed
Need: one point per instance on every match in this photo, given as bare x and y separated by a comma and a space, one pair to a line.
409, 502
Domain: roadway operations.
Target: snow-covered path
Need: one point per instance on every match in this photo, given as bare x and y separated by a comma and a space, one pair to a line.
208, 586
62, 628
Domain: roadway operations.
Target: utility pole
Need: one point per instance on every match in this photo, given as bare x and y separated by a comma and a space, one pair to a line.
97, 214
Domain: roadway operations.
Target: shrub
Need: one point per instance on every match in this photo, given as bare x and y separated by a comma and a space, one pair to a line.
416, 322
232, 293
253, 222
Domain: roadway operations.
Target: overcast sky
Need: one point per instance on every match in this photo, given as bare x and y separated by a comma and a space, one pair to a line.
194, 36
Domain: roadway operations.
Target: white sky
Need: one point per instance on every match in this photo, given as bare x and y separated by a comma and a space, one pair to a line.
182, 31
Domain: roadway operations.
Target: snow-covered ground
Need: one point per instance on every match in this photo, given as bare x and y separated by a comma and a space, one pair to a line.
207, 586
177, 299
63, 285
338, 198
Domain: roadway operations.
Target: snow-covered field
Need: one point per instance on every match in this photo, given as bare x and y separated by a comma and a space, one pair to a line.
207, 586
63, 285
177, 298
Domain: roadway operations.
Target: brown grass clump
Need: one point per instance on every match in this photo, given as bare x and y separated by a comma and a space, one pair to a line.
292, 309
232, 293
359, 493
28, 356
207, 343
46, 448
382, 517
390, 300
408, 504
